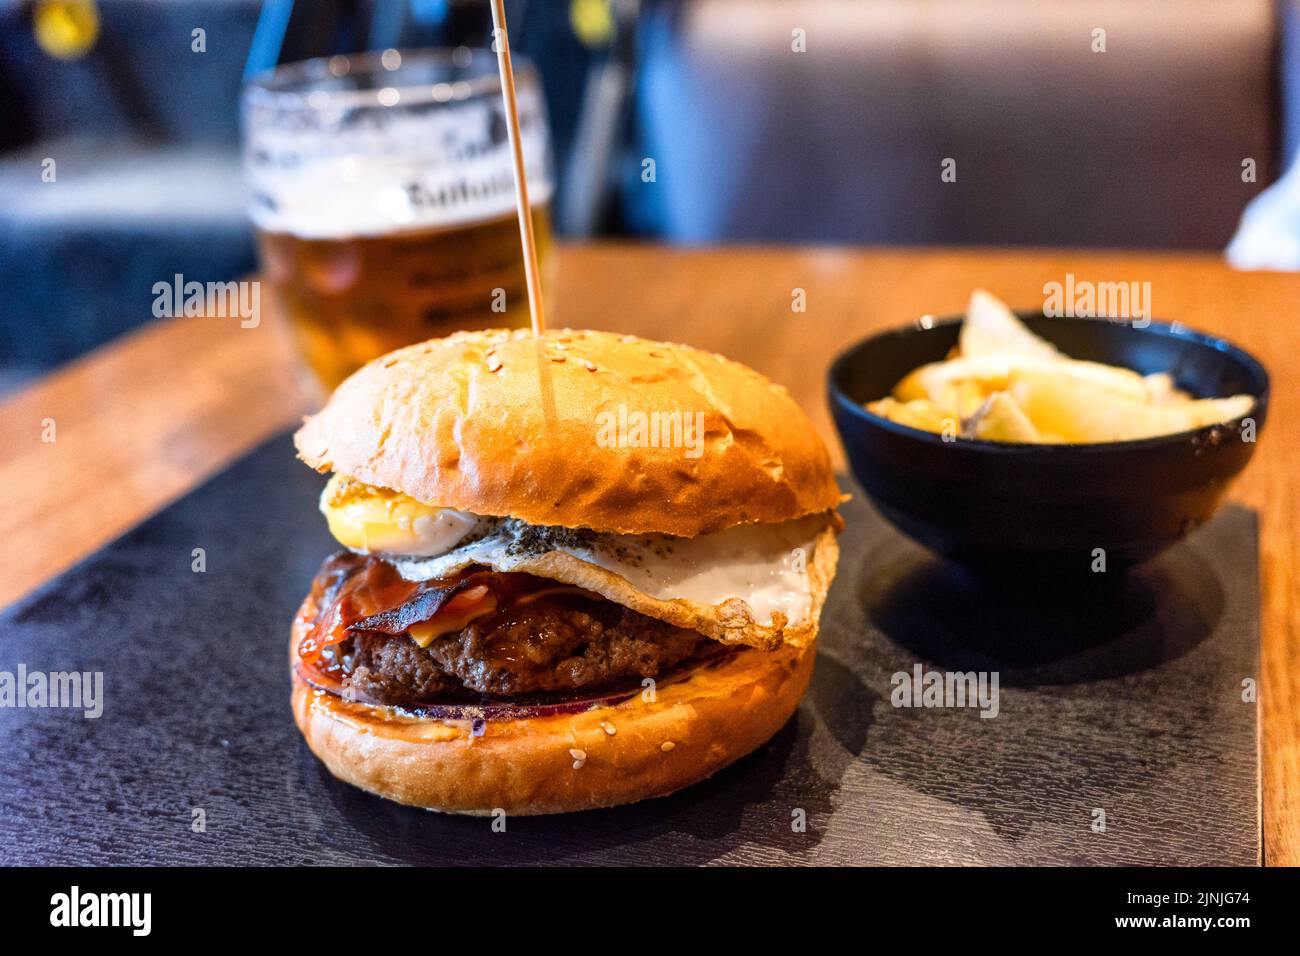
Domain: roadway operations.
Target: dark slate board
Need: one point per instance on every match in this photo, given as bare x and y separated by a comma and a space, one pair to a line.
1129, 702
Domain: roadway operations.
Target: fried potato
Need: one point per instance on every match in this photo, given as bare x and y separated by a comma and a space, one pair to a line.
1161, 389
1001, 418
961, 399
1080, 412
991, 373
1003, 383
921, 413
991, 328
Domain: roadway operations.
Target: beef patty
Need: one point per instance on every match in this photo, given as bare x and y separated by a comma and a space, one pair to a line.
566, 643
538, 649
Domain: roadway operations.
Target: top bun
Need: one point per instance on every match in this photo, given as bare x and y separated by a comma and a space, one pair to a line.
499, 423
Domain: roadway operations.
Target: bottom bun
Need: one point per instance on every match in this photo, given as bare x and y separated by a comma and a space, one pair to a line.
607, 755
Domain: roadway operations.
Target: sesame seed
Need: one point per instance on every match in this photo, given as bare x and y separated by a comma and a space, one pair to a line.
609, 728
590, 366
493, 363
667, 745
557, 358
559, 346
577, 754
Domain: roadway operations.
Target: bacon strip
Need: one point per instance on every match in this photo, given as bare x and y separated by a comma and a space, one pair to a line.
360, 593
422, 607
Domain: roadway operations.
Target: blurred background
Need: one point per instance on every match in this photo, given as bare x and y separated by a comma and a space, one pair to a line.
769, 121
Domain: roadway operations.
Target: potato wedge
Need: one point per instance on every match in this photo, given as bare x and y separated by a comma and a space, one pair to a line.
1004, 383
1162, 390
991, 328
1079, 411
992, 373
921, 413
1000, 418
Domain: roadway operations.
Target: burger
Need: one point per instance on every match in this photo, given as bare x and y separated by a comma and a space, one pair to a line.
577, 570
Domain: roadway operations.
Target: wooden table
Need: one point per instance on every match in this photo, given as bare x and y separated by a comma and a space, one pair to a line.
142, 421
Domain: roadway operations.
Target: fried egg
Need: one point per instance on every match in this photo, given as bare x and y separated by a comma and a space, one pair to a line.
765, 566
372, 520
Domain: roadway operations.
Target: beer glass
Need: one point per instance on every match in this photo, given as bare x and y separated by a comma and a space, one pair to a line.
383, 197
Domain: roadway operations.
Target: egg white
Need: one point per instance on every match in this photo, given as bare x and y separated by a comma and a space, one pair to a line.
766, 566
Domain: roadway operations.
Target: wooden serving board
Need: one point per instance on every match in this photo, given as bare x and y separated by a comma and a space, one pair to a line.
1127, 701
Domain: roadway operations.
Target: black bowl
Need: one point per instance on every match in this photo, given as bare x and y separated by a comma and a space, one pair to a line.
999, 507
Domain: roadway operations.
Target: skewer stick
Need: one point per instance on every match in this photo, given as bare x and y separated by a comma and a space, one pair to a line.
531, 276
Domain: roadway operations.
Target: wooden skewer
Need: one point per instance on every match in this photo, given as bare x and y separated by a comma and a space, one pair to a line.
531, 275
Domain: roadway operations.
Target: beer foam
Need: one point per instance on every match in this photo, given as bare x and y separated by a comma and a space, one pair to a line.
343, 174
344, 197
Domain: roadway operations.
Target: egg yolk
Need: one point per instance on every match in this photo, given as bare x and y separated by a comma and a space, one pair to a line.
371, 519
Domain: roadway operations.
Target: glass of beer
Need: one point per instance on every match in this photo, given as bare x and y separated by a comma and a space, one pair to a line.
383, 196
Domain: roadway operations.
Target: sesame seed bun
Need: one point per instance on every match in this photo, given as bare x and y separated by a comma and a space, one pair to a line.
601, 757
499, 423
